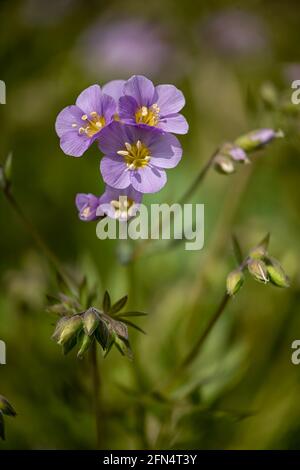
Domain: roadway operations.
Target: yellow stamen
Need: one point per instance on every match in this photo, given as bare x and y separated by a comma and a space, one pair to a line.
94, 124
149, 116
136, 156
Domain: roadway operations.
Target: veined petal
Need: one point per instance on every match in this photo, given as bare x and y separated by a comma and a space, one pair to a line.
174, 123
148, 179
87, 205
113, 138
66, 118
166, 151
141, 89
89, 100
74, 144
170, 99
114, 171
114, 89
108, 108
127, 109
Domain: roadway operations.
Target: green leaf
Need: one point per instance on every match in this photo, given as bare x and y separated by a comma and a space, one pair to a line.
132, 314
124, 347
106, 302
237, 249
8, 168
119, 305
133, 325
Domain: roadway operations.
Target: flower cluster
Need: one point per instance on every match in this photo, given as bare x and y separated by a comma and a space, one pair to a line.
133, 123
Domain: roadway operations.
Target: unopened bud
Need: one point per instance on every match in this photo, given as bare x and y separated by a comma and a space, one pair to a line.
257, 139
234, 281
90, 321
234, 152
224, 164
260, 251
70, 327
276, 273
85, 344
258, 270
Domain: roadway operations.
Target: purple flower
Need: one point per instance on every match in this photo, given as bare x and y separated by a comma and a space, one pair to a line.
120, 203
136, 156
87, 205
150, 106
78, 126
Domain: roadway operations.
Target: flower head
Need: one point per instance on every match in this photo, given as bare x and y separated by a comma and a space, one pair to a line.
137, 157
87, 205
158, 107
79, 125
120, 203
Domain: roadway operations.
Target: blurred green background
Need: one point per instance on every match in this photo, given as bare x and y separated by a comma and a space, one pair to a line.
229, 58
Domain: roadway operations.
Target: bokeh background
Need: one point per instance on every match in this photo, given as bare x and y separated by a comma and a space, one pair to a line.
235, 62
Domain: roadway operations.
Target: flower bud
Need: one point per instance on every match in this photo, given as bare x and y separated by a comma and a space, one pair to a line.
69, 328
256, 139
5, 407
234, 281
258, 270
260, 251
85, 344
236, 153
90, 321
224, 164
276, 273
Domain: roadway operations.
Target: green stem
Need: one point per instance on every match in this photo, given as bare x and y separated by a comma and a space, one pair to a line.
184, 198
36, 235
96, 393
196, 348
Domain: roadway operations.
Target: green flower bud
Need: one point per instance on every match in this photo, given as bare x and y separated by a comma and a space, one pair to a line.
5, 407
234, 281
260, 251
90, 321
258, 270
256, 139
276, 273
85, 344
224, 164
69, 328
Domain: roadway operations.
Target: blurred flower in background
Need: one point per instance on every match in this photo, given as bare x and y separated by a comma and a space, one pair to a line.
123, 47
235, 33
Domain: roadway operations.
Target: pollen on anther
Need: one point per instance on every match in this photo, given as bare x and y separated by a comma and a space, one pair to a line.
84, 117
128, 146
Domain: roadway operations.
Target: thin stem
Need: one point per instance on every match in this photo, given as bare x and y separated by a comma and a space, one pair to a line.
36, 235
184, 198
199, 343
96, 393
194, 351
198, 180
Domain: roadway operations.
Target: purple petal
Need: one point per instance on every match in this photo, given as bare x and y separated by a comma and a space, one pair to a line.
114, 171
113, 138
141, 89
74, 144
170, 99
89, 100
68, 116
165, 150
174, 123
148, 179
114, 89
108, 108
87, 205
127, 109
112, 194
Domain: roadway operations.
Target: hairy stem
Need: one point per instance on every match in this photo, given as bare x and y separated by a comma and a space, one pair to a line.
96, 394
